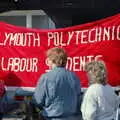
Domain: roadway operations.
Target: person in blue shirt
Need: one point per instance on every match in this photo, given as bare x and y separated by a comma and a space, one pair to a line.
58, 92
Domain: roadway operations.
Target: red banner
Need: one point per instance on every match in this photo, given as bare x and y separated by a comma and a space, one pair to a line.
22, 50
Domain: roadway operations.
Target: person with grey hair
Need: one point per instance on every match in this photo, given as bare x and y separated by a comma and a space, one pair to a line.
99, 101
58, 92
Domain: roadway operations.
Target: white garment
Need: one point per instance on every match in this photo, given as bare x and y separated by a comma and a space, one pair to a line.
99, 103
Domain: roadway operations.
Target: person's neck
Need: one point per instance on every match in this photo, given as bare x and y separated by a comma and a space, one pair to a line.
54, 66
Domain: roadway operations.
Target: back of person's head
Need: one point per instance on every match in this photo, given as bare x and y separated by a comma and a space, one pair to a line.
58, 56
96, 71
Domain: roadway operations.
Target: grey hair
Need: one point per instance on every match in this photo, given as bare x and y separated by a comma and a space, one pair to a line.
97, 72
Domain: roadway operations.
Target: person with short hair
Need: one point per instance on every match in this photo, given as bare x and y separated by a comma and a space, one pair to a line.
58, 92
100, 101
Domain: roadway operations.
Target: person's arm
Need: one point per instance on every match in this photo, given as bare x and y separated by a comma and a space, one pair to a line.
39, 94
89, 105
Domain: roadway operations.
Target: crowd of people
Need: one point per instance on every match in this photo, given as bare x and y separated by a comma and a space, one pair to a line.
58, 92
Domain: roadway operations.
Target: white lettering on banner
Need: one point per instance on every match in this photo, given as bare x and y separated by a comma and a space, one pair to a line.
70, 34
77, 63
90, 39
22, 39
19, 64
58, 38
118, 32
84, 36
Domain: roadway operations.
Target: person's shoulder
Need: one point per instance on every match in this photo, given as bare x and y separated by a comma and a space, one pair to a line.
72, 72
59, 71
43, 78
49, 74
110, 88
108, 85
93, 88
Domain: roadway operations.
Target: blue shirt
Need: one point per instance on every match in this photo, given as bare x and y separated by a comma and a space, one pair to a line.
59, 93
